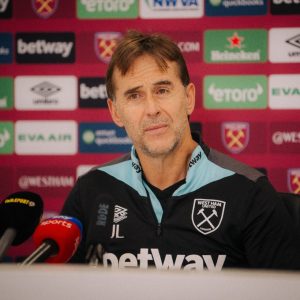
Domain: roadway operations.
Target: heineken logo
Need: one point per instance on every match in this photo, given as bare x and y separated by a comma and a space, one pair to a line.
235, 46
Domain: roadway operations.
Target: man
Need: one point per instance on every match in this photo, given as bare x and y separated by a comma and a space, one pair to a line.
173, 202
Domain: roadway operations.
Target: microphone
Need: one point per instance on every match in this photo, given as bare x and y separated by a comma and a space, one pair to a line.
56, 239
20, 213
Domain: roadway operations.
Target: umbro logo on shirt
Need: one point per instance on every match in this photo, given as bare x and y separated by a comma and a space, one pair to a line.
120, 214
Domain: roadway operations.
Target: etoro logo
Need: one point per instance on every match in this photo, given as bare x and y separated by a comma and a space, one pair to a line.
120, 9
235, 46
41, 47
46, 92
46, 137
235, 92
164, 9
6, 137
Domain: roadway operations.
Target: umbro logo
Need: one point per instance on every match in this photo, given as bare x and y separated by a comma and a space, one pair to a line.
120, 214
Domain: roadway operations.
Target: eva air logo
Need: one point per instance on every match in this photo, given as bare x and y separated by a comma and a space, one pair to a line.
229, 46
6, 92
6, 137
117, 9
235, 92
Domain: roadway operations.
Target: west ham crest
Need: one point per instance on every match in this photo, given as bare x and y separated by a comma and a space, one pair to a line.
293, 177
105, 44
207, 214
235, 136
44, 8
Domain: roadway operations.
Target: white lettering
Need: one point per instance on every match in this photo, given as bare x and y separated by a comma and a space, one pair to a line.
107, 5
44, 47
3, 5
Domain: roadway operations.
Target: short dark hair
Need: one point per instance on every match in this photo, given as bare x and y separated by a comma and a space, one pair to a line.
135, 44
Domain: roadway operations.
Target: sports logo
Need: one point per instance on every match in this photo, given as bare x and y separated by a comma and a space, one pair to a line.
293, 177
120, 214
284, 45
105, 44
235, 136
44, 8
207, 214
294, 41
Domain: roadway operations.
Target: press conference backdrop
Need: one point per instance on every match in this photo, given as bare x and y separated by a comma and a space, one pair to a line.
243, 56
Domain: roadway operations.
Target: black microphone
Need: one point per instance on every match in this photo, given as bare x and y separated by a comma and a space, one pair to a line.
56, 239
20, 213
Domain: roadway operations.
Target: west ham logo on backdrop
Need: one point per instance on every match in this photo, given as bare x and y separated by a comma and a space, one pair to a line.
235, 136
293, 177
207, 214
44, 8
105, 44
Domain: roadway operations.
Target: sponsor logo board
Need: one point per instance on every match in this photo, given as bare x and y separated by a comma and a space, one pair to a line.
6, 9
284, 45
97, 47
235, 92
103, 137
6, 52
284, 91
285, 7
235, 7
107, 9
6, 92
92, 92
228, 46
46, 137
236, 137
44, 8
285, 137
54, 181
45, 92
45, 47
168, 9
189, 43
6, 179
6, 137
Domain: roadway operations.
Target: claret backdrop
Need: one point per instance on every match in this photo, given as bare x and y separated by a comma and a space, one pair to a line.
243, 56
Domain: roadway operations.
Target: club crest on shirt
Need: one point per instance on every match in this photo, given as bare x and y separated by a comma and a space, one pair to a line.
235, 136
207, 215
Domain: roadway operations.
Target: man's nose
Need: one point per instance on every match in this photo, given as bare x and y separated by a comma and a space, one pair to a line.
152, 106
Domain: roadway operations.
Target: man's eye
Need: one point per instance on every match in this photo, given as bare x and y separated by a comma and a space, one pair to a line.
162, 91
134, 96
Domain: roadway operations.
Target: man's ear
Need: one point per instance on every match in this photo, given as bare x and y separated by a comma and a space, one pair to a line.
114, 112
191, 96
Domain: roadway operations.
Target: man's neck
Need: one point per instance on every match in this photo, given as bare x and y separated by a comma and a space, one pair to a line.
164, 171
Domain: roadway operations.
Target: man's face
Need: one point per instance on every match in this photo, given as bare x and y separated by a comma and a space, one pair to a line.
153, 105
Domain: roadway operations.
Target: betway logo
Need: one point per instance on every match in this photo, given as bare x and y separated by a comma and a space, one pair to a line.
44, 47
235, 94
26, 182
93, 92
146, 256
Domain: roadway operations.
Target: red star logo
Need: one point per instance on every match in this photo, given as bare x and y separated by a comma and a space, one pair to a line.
235, 41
